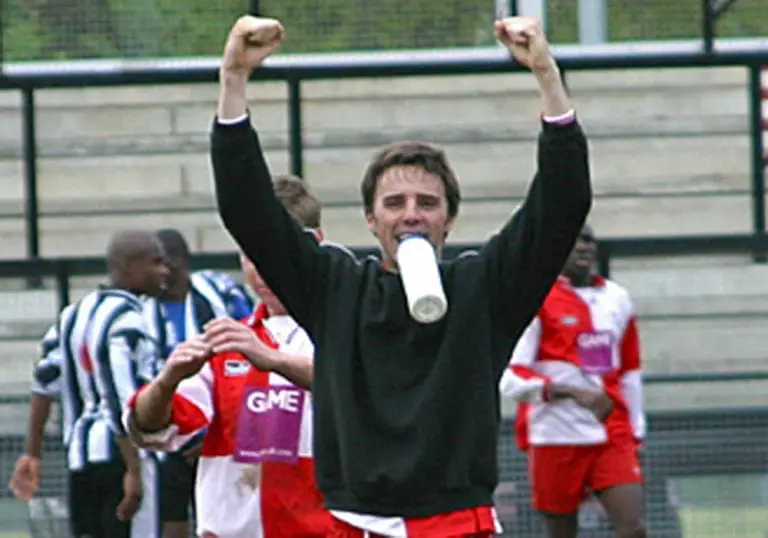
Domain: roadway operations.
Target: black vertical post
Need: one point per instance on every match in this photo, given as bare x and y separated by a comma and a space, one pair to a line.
62, 284
604, 260
708, 26
2, 35
758, 159
513, 8
254, 7
295, 135
29, 149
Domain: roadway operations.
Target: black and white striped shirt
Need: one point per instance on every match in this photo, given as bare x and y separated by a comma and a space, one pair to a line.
212, 295
46, 378
106, 354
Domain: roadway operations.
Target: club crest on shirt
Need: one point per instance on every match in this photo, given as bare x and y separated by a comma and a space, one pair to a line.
235, 368
569, 320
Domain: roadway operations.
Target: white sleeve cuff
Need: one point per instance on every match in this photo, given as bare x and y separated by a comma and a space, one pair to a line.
233, 121
568, 117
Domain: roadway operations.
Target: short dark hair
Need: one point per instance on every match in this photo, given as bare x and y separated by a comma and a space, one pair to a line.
297, 198
174, 244
426, 156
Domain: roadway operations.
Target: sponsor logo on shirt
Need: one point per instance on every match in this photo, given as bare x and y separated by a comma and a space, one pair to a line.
235, 368
284, 399
594, 340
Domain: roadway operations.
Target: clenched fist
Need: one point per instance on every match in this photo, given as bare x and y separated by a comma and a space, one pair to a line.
251, 40
525, 39
226, 334
186, 360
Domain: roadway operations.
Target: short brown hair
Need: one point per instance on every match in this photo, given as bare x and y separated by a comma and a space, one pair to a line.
426, 156
298, 200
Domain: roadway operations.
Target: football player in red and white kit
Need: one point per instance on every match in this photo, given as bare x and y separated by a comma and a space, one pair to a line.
246, 383
576, 373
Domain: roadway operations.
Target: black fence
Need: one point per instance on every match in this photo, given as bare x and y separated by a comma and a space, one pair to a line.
62, 270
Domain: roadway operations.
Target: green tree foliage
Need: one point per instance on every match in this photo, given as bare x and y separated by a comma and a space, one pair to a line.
62, 29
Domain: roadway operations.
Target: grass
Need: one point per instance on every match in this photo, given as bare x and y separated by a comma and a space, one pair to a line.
724, 522
698, 522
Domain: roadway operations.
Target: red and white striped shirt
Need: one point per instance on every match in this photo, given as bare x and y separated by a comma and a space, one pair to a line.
234, 499
585, 337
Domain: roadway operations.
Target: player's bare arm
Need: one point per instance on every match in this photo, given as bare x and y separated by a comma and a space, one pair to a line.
226, 334
525, 39
152, 410
249, 43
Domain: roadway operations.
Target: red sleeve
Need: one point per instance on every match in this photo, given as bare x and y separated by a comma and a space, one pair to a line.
630, 347
186, 415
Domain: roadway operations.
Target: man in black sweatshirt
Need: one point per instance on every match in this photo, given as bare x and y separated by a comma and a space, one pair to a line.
406, 414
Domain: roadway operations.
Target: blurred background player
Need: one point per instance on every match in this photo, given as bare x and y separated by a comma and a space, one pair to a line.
273, 495
25, 482
576, 372
108, 353
188, 302
45, 389
107, 489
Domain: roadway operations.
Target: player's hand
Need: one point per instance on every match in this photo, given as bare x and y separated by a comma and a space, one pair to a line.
186, 360
525, 39
599, 403
251, 40
133, 492
226, 334
25, 481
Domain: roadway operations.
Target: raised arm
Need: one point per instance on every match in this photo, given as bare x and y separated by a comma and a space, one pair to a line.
289, 259
177, 405
226, 335
525, 257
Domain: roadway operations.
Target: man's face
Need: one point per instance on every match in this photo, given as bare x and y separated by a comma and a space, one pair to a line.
176, 270
148, 270
408, 199
260, 288
583, 258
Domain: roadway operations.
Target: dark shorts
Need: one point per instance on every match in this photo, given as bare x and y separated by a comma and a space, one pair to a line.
177, 488
94, 494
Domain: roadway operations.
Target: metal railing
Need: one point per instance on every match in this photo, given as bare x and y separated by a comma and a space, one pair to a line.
62, 270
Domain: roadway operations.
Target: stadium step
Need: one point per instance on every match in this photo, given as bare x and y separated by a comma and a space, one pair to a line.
87, 232
491, 160
666, 149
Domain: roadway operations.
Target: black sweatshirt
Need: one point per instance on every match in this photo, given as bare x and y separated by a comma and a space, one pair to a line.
407, 415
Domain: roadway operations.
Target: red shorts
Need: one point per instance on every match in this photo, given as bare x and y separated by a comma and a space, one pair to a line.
563, 476
477, 522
